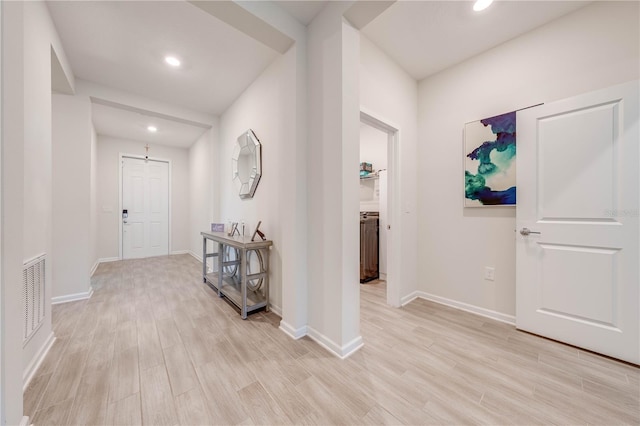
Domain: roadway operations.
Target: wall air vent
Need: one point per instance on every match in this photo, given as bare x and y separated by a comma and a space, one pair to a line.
33, 297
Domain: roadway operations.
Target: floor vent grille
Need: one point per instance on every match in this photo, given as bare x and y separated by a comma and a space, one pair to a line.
33, 285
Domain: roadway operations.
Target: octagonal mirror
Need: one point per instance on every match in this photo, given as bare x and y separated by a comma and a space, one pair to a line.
247, 164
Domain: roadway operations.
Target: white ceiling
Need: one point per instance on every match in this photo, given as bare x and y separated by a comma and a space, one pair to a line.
303, 10
122, 44
132, 125
425, 37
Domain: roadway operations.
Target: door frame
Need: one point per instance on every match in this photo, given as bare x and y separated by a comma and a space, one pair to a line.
394, 248
122, 156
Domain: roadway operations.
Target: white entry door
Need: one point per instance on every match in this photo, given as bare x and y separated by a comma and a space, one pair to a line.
577, 230
145, 197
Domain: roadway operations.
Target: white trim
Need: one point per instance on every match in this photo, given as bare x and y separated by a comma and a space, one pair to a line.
108, 259
395, 249
179, 252
141, 157
94, 268
276, 310
197, 257
33, 366
33, 259
342, 352
24, 421
72, 297
405, 300
293, 332
487, 313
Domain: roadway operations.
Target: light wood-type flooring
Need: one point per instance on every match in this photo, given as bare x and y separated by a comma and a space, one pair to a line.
155, 346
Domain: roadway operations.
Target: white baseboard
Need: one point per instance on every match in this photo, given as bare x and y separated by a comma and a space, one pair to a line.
197, 257
276, 310
31, 369
294, 333
108, 259
94, 268
180, 252
409, 298
342, 352
24, 421
72, 297
488, 313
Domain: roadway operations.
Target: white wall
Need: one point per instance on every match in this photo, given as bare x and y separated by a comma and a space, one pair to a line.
37, 156
594, 47
332, 164
28, 40
12, 127
389, 94
72, 209
107, 187
293, 178
260, 108
40, 40
204, 187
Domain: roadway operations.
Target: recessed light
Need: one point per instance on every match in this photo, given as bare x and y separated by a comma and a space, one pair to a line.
172, 60
481, 5
152, 129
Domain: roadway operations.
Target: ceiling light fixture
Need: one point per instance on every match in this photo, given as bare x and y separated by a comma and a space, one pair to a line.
172, 60
481, 5
152, 129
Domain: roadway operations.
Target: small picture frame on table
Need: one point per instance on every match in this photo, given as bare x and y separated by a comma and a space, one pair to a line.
217, 227
258, 232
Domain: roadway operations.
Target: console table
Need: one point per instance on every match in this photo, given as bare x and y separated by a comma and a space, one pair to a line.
233, 279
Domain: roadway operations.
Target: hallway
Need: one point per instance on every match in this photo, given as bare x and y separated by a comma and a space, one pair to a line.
154, 345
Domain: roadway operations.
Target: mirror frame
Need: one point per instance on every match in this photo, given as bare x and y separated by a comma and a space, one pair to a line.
248, 141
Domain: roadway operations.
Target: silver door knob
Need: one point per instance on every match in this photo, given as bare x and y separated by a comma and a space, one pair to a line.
527, 231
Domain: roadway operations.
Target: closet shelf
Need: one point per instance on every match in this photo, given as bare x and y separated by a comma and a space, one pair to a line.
370, 177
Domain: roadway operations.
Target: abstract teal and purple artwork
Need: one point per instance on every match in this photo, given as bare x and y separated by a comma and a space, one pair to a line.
490, 161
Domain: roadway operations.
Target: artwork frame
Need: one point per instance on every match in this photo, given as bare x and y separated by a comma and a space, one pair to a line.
489, 150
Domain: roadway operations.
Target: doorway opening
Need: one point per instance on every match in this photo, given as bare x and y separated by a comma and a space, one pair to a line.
145, 228
378, 204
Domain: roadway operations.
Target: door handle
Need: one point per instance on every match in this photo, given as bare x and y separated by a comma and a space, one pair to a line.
527, 231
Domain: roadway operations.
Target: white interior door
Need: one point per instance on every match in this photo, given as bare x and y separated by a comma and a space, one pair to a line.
578, 186
145, 197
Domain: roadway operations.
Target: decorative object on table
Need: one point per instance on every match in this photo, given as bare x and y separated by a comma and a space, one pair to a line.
246, 164
234, 230
258, 232
490, 161
217, 227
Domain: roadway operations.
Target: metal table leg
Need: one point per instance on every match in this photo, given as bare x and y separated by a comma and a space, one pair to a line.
220, 267
243, 281
204, 259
